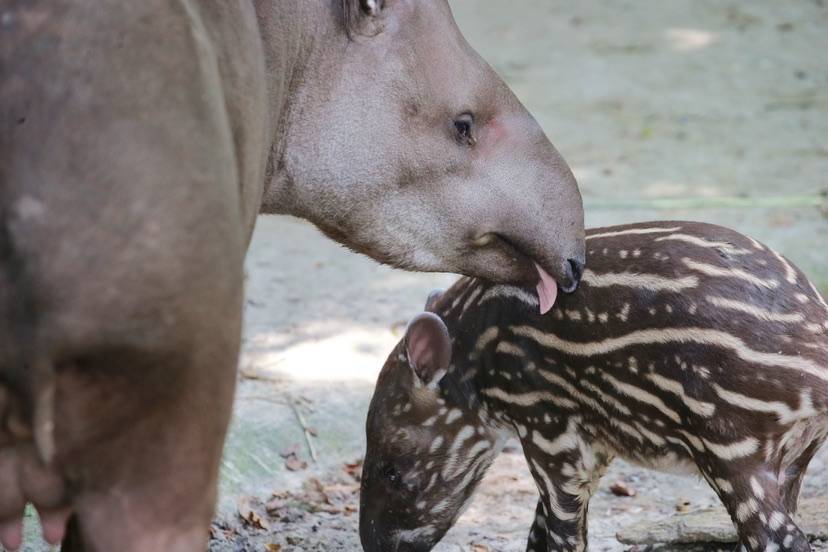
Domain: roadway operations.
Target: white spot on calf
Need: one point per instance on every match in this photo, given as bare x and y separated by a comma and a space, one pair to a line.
777, 520
746, 509
758, 491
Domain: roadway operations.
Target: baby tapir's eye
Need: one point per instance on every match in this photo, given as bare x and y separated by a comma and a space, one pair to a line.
390, 474
464, 128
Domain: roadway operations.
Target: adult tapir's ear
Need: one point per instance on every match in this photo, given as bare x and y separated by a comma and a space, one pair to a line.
363, 17
428, 345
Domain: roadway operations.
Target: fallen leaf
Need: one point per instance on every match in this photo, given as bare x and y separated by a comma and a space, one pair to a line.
294, 463
479, 548
275, 504
315, 491
619, 488
249, 515
354, 469
274, 547
292, 450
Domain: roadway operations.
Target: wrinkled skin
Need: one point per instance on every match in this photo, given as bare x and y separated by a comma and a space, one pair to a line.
138, 142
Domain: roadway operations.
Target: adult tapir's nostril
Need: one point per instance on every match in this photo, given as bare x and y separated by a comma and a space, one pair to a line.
574, 272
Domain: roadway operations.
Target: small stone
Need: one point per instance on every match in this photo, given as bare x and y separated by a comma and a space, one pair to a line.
713, 525
683, 506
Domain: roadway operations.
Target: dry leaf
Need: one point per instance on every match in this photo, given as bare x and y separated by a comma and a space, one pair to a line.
619, 488
479, 548
292, 450
275, 504
354, 469
293, 463
249, 515
274, 547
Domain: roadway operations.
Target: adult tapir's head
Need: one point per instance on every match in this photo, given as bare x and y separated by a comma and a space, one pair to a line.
403, 144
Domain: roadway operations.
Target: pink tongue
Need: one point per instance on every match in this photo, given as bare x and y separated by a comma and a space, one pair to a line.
547, 290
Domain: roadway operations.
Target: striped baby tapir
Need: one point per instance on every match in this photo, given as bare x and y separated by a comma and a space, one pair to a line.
688, 347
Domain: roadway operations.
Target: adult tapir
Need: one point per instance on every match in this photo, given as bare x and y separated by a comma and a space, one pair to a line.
139, 141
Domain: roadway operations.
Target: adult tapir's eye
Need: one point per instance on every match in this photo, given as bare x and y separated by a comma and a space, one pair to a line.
464, 127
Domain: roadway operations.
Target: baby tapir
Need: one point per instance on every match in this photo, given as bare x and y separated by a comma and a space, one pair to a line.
688, 347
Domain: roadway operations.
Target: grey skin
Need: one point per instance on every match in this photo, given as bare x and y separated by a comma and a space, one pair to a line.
138, 142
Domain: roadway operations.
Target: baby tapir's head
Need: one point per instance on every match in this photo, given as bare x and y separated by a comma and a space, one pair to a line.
427, 444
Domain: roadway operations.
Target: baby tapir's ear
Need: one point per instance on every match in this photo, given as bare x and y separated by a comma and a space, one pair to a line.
433, 297
428, 345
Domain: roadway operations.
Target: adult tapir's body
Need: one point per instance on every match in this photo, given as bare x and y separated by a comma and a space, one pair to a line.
138, 141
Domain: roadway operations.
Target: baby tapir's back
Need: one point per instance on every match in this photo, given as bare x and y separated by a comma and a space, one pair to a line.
686, 346
678, 330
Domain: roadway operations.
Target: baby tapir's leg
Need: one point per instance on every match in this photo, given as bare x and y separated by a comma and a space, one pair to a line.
566, 471
537, 535
751, 492
794, 474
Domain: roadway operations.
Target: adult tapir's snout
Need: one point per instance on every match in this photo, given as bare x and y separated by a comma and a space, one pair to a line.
527, 216
408, 147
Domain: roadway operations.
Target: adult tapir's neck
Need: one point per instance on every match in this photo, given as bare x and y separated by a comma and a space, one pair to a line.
291, 32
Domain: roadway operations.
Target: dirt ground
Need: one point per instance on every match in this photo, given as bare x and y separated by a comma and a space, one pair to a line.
712, 110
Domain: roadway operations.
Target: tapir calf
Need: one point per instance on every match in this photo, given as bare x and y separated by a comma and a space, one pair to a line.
138, 142
687, 347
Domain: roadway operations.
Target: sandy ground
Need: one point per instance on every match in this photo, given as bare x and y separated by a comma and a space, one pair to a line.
712, 110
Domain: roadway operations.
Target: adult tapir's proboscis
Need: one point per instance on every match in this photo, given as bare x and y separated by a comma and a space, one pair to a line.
138, 142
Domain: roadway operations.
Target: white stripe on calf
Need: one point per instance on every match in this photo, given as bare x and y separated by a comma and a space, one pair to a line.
704, 409
652, 282
790, 273
654, 230
509, 349
608, 399
642, 396
701, 242
552, 495
783, 412
672, 335
555, 379
712, 270
501, 291
738, 449
757, 312
529, 399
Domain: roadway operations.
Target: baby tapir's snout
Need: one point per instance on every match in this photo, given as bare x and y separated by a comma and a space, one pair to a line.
688, 347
